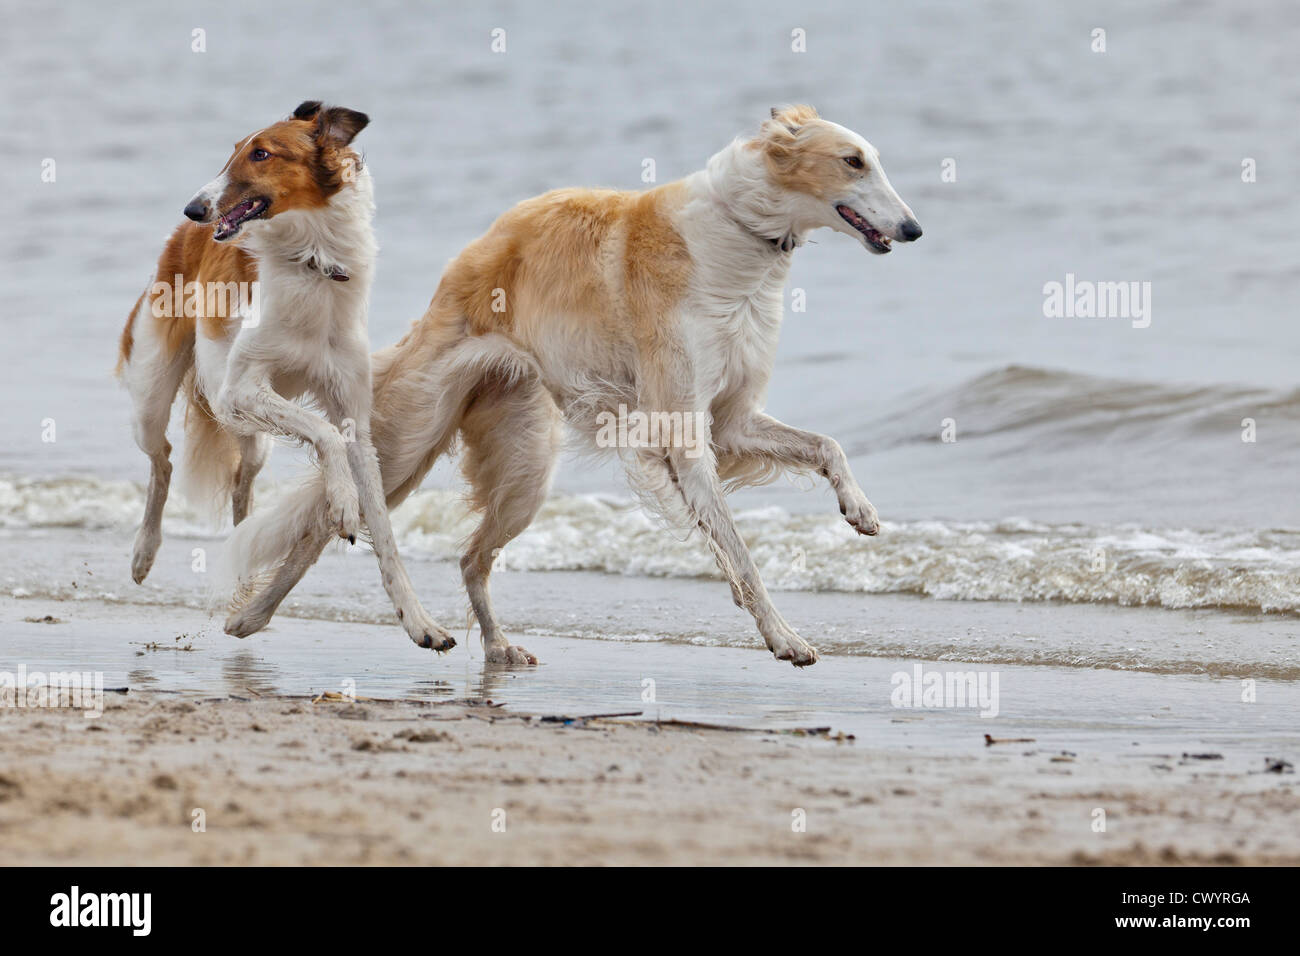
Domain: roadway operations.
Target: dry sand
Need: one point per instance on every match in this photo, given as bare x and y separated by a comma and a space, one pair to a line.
230, 727
287, 780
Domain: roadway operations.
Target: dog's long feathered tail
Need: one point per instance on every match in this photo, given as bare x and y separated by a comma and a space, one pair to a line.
262, 541
211, 458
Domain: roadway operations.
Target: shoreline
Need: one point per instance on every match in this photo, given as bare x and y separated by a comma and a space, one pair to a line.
57, 567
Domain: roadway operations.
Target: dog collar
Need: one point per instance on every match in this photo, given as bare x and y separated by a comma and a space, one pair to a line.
330, 272
782, 244
778, 244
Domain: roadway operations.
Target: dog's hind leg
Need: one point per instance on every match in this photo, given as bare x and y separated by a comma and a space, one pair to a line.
153, 376
253, 452
149, 537
512, 436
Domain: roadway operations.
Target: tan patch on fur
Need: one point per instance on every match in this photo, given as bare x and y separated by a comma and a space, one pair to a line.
191, 254
611, 261
610, 258
127, 342
657, 264
806, 154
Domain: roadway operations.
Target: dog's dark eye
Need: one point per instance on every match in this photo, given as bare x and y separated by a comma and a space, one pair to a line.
854, 161
258, 155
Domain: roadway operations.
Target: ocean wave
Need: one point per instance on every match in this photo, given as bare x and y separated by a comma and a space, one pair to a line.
87, 502
1008, 560
1055, 407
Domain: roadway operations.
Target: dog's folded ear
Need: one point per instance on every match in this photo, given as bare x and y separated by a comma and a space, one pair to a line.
792, 117
335, 125
339, 126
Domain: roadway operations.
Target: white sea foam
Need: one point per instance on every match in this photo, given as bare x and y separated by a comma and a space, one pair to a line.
1010, 560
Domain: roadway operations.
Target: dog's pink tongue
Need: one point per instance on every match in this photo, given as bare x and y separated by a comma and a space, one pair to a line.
231, 217
850, 215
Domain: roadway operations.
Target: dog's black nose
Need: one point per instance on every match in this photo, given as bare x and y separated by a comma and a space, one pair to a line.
911, 230
197, 210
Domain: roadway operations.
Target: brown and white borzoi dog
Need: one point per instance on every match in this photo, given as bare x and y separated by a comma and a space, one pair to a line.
303, 201
580, 301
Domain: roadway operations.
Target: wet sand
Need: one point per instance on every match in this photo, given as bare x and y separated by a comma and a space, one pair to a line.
231, 728
80, 564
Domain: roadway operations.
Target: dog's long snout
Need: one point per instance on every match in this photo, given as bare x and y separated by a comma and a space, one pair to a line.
197, 209
910, 230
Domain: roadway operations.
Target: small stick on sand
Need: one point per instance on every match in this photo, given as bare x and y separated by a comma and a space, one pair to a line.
990, 740
560, 718
701, 725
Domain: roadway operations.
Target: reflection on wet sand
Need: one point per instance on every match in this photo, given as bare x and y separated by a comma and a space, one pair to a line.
244, 673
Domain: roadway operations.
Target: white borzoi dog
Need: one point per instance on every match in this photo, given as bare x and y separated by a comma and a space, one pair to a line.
302, 201
579, 301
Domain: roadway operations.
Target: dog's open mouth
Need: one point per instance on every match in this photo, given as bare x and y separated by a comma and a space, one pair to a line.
228, 225
876, 241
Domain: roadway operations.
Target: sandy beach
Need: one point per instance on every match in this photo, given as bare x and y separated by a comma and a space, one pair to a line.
286, 781
475, 766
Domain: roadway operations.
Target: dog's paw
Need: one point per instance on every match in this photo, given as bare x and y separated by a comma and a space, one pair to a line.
860, 514
146, 549
421, 629
789, 646
436, 639
245, 622
801, 654
432, 637
509, 655
345, 513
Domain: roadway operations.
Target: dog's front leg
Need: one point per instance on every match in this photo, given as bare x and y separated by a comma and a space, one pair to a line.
762, 437
696, 480
374, 509
247, 404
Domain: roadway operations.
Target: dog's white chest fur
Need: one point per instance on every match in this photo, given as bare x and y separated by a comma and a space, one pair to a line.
733, 311
310, 329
